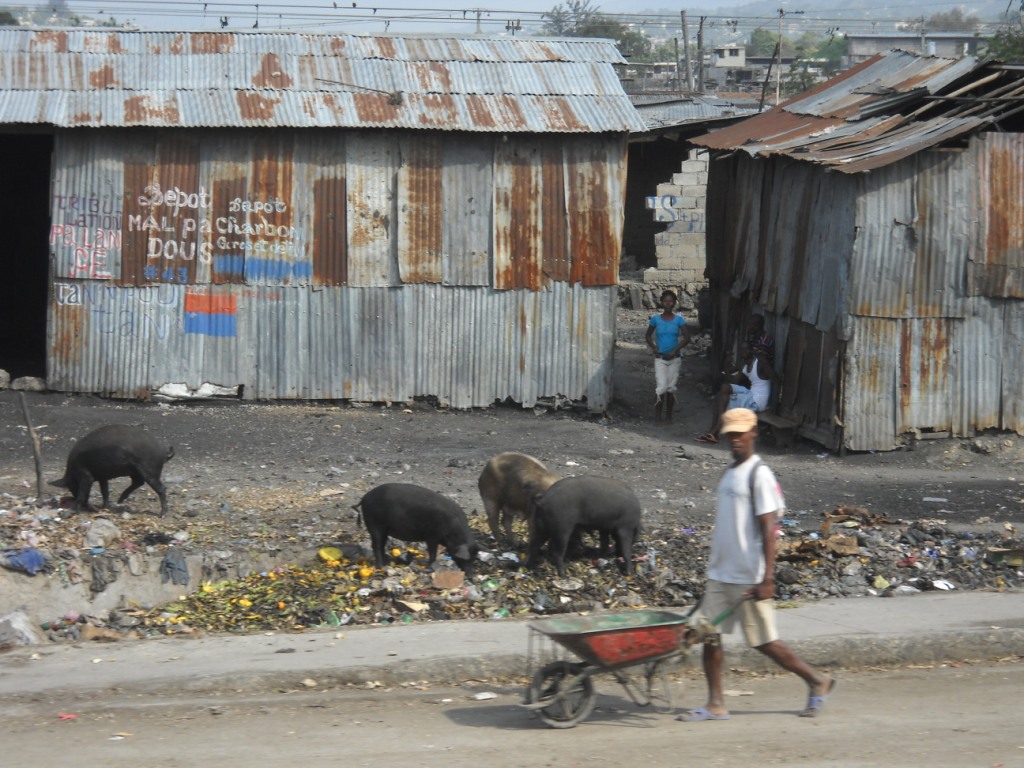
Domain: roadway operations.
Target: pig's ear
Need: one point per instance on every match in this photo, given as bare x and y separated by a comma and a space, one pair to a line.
461, 552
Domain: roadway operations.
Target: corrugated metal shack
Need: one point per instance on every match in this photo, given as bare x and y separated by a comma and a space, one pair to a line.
328, 216
878, 221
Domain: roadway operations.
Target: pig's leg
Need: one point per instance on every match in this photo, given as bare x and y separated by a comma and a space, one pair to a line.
493, 509
538, 535
507, 516
161, 491
557, 545
431, 552
624, 545
85, 482
105, 492
378, 540
137, 482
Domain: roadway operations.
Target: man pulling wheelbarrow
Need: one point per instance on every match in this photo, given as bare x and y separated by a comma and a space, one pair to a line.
741, 581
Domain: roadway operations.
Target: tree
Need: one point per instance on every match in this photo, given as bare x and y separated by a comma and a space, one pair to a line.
952, 21
574, 19
832, 50
798, 78
762, 43
7, 19
1008, 43
577, 18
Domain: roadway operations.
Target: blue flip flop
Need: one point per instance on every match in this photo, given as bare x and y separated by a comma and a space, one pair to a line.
817, 703
699, 714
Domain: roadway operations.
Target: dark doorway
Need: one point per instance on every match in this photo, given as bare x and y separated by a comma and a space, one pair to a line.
25, 201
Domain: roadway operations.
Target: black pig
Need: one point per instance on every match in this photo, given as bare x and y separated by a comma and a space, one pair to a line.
413, 513
588, 502
113, 451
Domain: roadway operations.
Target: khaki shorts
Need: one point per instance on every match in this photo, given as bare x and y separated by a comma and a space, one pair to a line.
757, 617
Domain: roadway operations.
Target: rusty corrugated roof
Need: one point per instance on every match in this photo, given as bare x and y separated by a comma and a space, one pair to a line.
886, 109
117, 78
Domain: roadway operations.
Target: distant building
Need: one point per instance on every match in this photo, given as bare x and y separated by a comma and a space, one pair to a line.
951, 45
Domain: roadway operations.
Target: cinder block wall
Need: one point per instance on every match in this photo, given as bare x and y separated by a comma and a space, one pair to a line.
681, 248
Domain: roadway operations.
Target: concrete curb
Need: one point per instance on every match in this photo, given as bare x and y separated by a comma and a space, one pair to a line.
512, 668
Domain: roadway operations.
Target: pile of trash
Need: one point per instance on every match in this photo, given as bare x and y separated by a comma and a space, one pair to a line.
846, 552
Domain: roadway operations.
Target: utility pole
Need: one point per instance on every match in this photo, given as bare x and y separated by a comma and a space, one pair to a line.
686, 53
924, 51
700, 54
778, 63
479, 13
513, 27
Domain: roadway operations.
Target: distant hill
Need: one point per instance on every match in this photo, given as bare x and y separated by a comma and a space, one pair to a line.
864, 11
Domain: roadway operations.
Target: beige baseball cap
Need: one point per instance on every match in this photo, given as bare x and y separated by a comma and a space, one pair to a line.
738, 420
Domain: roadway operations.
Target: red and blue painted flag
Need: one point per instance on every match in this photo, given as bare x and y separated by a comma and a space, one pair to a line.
210, 315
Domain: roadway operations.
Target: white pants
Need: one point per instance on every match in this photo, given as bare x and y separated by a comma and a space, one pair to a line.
666, 375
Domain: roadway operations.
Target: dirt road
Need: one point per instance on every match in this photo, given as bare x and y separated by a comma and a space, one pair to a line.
940, 717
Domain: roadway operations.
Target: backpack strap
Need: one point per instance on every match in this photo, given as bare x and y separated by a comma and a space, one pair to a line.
753, 477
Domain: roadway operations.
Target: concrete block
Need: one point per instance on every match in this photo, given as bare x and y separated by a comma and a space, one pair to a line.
685, 179
662, 276
668, 189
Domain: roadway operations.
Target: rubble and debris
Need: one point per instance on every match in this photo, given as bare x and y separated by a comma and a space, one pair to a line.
848, 551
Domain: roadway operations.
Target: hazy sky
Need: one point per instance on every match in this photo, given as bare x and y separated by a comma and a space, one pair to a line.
455, 16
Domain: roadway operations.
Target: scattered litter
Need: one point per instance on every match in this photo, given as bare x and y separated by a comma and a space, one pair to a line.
935, 499
485, 695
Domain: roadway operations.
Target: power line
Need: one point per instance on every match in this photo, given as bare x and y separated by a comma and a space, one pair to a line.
336, 13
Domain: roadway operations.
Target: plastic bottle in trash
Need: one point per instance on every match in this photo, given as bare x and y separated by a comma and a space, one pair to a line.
651, 560
501, 613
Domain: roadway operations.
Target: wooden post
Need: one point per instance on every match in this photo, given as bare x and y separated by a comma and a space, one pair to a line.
36, 452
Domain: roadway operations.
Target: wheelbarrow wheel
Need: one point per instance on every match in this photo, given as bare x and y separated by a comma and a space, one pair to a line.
572, 697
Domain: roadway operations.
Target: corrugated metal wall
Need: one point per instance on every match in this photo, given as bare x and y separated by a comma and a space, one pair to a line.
360, 264
779, 235
893, 296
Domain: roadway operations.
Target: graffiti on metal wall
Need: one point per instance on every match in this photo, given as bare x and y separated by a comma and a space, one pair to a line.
250, 242
90, 227
175, 226
113, 311
209, 315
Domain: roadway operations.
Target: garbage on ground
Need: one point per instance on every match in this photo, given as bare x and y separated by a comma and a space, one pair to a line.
848, 551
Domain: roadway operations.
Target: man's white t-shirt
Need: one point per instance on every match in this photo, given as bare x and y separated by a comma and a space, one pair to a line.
737, 555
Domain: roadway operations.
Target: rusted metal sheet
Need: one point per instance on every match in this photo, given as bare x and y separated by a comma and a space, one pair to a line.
886, 109
466, 346
421, 207
373, 161
780, 234
293, 287
117, 78
870, 376
594, 197
915, 225
519, 202
996, 266
1012, 359
982, 366
468, 188
922, 378
327, 183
